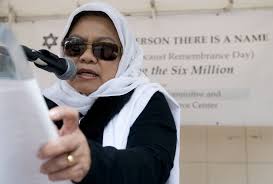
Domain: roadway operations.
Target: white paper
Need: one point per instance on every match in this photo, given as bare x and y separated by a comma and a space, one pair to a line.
24, 127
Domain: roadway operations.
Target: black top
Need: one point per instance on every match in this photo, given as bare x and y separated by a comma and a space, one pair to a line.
149, 154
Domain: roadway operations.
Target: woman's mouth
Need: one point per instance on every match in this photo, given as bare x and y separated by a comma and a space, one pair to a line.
86, 74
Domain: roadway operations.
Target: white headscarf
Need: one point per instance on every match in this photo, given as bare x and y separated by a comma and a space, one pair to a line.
128, 77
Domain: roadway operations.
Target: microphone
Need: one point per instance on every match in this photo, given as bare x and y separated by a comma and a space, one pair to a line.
63, 68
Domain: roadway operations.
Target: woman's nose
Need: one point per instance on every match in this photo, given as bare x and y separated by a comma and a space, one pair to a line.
88, 56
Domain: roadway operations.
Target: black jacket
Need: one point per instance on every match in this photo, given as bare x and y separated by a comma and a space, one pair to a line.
149, 154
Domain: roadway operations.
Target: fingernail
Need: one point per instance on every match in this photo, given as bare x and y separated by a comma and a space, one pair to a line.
52, 113
40, 154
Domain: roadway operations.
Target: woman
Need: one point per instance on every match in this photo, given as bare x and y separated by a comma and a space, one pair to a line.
129, 127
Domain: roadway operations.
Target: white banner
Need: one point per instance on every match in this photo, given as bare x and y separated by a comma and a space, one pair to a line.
218, 67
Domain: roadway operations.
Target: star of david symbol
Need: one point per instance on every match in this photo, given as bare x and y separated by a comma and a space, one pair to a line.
50, 40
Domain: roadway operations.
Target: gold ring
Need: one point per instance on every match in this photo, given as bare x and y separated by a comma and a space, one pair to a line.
70, 159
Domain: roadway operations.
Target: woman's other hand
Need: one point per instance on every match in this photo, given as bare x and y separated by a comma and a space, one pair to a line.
68, 156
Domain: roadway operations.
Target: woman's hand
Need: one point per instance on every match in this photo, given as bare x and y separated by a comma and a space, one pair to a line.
67, 157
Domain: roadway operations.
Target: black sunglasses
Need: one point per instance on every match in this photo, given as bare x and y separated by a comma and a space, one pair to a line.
75, 46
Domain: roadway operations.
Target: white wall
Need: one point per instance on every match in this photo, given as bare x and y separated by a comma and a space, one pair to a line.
226, 155
64, 7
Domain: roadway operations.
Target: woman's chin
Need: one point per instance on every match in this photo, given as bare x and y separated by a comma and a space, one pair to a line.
85, 88
86, 92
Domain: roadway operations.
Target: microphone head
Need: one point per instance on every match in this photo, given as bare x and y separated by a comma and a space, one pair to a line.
30, 53
70, 71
